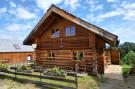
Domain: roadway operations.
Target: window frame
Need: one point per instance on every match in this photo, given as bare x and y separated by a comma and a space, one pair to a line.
51, 57
77, 55
71, 31
29, 58
53, 35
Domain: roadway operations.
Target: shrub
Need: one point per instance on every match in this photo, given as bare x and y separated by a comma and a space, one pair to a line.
3, 66
55, 72
129, 58
22, 67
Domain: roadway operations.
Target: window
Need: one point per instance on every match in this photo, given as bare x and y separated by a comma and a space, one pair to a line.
55, 33
51, 54
78, 55
29, 58
70, 31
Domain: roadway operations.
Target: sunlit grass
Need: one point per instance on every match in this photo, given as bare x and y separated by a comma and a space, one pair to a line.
85, 82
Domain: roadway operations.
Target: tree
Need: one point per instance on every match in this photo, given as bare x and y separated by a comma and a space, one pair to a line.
126, 47
129, 58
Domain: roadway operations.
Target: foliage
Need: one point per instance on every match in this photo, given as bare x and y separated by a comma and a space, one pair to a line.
55, 72
21, 67
129, 58
3, 66
126, 47
127, 51
126, 69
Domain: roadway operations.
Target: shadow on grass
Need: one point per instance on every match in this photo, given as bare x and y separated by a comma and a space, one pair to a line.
87, 82
38, 84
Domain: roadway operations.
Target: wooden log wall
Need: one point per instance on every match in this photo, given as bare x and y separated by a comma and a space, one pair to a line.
100, 45
106, 57
115, 56
15, 57
64, 60
79, 41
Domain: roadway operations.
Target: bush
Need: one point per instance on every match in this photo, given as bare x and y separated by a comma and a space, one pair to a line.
22, 67
3, 66
129, 58
126, 69
55, 72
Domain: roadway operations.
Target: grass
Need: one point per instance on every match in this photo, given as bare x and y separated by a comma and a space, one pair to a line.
126, 69
87, 82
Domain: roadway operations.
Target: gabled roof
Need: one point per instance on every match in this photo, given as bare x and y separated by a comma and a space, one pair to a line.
107, 36
8, 45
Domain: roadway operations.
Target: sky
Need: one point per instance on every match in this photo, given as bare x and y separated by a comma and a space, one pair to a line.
19, 17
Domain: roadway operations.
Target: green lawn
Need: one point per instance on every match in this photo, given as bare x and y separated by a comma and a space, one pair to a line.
87, 82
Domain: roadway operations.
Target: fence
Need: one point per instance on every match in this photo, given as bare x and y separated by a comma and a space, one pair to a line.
41, 76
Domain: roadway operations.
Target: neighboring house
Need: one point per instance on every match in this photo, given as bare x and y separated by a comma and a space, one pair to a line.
63, 40
14, 52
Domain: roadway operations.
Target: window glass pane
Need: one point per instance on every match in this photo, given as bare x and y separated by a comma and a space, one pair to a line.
80, 55
29, 57
49, 54
67, 31
55, 33
53, 54
72, 31
75, 55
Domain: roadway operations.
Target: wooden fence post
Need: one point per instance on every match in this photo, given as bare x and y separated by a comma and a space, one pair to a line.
15, 72
41, 73
76, 71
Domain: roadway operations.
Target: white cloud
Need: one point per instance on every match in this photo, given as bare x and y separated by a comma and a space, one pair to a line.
94, 6
72, 3
18, 27
12, 4
3, 10
126, 10
92, 17
127, 5
129, 10
112, 0
23, 13
117, 12
129, 16
45, 4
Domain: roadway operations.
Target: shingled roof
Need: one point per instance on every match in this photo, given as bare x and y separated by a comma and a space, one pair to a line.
8, 45
107, 36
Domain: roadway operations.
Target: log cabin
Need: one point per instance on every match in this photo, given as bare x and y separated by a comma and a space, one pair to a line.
64, 40
14, 52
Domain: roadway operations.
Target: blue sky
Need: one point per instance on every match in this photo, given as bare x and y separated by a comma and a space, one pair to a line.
18, 17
